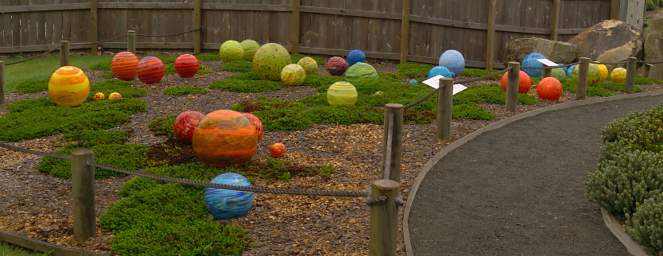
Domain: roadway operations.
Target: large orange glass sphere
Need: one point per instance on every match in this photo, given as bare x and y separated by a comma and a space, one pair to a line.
186, 65
68, 86
151, 70
549, 89
225, 137
525, 82
124, 66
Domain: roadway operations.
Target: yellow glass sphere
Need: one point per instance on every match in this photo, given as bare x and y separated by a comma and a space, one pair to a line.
342, 93
603, 72
99, 96
618, 75
115, 96
68, 86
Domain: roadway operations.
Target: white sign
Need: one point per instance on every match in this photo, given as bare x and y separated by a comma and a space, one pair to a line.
434, 83
548, 62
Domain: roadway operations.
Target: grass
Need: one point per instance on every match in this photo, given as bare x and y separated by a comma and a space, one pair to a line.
40, 69
162, 126
238, 66
184, 90
10, 250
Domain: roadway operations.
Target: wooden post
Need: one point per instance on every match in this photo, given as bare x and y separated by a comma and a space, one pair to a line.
295, 21
197, 24
64, 53
393, 141
581, 87
614, 9
405, 31
490, 34
131, 41
512, 86
631, 69
383, 218
82, 191
94, 26
554, 30
2, 83
444, 108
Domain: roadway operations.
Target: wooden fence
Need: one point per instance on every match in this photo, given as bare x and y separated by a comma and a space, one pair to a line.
416, 30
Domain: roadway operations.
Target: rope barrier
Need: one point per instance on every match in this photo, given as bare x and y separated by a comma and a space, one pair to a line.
196, 183
50, 50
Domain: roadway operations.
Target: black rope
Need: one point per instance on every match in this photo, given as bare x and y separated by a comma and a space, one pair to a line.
50, 50
33, 152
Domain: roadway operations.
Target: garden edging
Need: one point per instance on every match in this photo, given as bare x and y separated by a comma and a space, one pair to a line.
633, 247
494, 126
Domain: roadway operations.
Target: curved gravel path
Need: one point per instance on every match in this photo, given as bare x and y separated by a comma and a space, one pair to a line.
518, 190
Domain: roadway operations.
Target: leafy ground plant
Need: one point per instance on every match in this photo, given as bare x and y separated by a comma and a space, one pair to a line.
184, 90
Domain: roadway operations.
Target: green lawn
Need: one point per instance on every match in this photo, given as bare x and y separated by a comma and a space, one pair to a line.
9, 250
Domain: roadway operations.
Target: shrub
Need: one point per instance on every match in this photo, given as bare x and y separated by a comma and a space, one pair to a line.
646, 226
184, 90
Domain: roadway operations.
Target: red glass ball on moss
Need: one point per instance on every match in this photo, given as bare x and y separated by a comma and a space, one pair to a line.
151, 70
124, 66
277, 150
525, 82
186, 65
185, 124
549, 89
336, 66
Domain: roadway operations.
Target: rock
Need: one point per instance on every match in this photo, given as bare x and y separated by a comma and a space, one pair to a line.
609, 41
654, 45
556, 51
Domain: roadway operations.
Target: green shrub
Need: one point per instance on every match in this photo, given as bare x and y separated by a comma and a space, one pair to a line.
646, 225
184, 90
162, 126
639, 131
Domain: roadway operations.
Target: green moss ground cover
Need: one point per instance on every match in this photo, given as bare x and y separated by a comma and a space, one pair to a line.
184, 90
10, 250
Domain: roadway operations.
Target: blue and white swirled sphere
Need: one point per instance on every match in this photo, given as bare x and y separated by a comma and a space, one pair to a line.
440, 70
355, 56
532, 66
226, 204
453, 60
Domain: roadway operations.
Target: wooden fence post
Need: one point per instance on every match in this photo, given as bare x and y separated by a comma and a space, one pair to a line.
131, 41
513, 86
94, 27
393, 141
2, 83
631, 70
405, 31
383, 218
64, 53
82, 191
197, 25
554, 30
444, 108
581, 86
295, 21
615, 9
490, 36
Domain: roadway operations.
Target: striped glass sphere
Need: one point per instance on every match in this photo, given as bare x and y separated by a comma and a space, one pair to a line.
151, 70
68, 86
186, 65
226, 204
124, 66
342, 93
224, 138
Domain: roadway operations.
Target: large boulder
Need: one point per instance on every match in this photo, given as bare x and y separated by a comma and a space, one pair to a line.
609, 41
654, 45
556, 51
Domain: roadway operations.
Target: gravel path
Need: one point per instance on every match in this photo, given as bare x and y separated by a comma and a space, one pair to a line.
519, 190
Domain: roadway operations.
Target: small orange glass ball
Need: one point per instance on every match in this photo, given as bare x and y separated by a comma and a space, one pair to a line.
99, 96
549, 89
277, 150
124, 66
115, 96
525, 82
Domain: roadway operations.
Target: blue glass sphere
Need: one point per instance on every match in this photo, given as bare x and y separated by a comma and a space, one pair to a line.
442, 71
355, 56
226, 204
413, 82
532, 66
569, 70
453, 60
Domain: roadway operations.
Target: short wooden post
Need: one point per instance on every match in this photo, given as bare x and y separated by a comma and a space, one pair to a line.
554, 21
197, 25
444, 108
513, 86
94, 26
393, 141
383, 218
295, 25
64, 53
2, 83
631, 70
131, 41
405, 31
490, 34
581, 86
547, 72
648, 68
82, 191
615, 9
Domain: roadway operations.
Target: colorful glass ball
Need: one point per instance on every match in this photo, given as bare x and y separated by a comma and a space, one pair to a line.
256, 121
231, 50
549, 89
114, 96
558, 73
453, 60
532, 66
618, 75
249, 47
277, 150
68, 86
525, 82
336, 66
224, 138
440, 70
593, 74
309, 64
186, 65
603, 72
185, 124
124, 66
99, 96
293, 74
362, 74
226, 204
355, 56
151, 70
342, 93
413, 82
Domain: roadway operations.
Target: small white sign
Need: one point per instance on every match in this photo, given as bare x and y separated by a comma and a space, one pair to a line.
548, 62
434, 83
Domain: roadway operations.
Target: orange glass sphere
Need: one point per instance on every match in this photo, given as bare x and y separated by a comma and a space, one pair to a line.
68, 86
525, 82
124, 66
256, 121
151, 70
549, 89
225, 137
277, 150
186, 65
